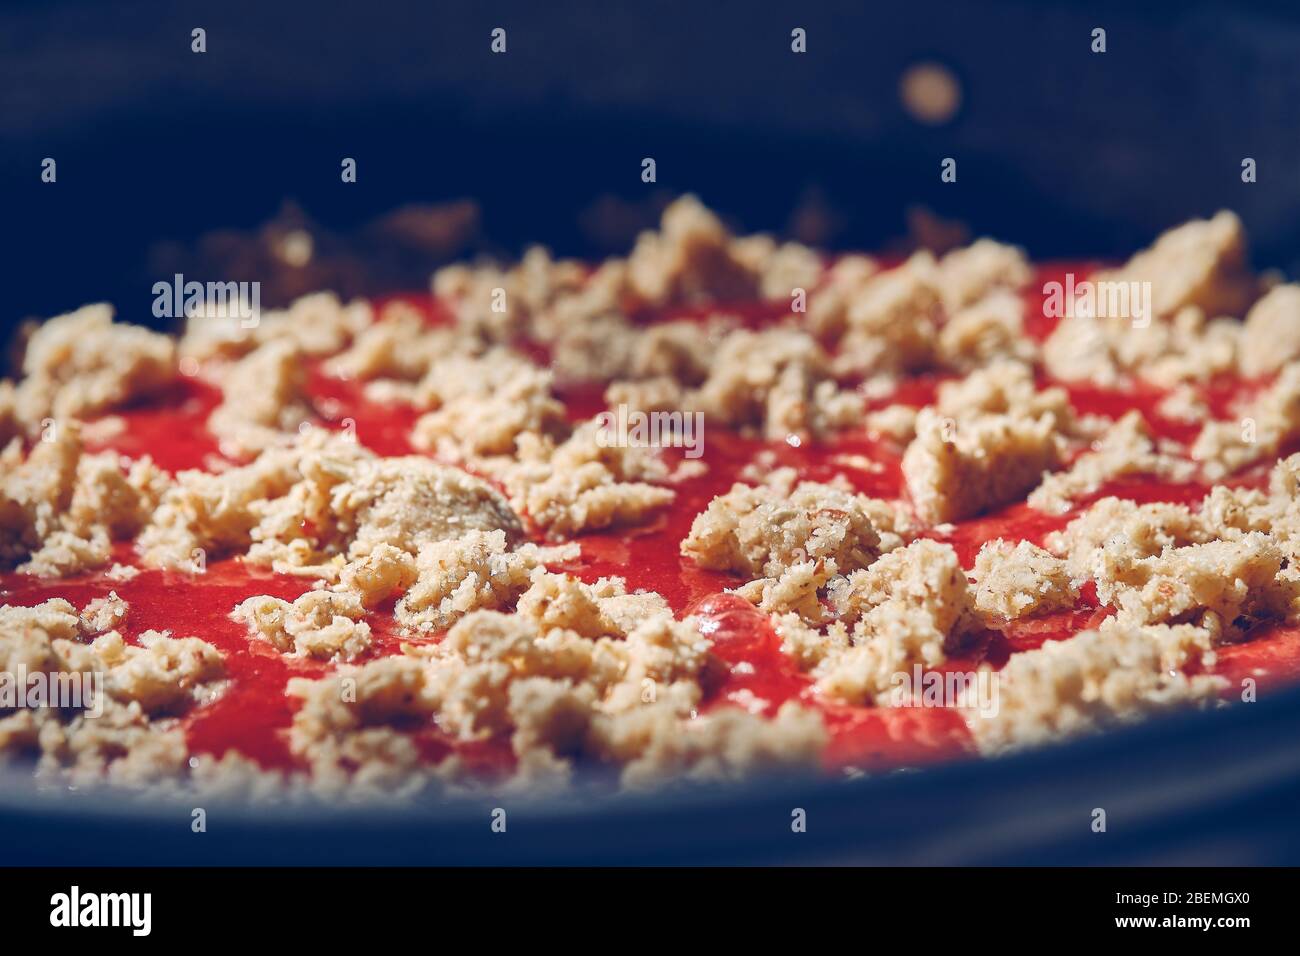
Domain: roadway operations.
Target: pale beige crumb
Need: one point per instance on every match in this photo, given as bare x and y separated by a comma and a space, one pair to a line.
763, 530
912, 607
1271, 336
320, 624
317, 324
82, 363
477, 571
957, 471
1016, 580
264, 399
1097, 679
1268, 422
481, 405
1126, 449
122, 573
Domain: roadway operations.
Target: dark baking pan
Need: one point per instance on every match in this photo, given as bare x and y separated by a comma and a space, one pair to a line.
1065, 151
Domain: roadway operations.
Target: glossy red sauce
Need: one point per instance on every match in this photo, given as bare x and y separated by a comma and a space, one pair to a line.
253, 714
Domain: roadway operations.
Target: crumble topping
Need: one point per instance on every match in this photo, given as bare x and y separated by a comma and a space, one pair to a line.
263, 397
1015, 580
1267, 423
557, 694
477, 571
481, 406
763, 530
1270, 337
60, 508
566, 668
1116, 674
957, 469
580, 484
775, 382
83, 362
910, 607
1126, 448
319, 624
316, 324
136, 738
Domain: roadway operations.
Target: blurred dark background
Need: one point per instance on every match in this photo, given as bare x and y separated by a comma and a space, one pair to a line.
1063, 150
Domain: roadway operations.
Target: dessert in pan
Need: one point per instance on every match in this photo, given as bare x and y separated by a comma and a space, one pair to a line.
723, 506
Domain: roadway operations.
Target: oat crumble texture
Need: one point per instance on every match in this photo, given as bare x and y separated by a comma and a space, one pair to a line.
903, 471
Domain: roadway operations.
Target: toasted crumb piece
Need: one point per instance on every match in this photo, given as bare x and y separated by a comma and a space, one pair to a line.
317, 324
582, 485
65, 554
603, 608
1229, 513
797, 590
1125, 449
82, 363
925, 576
124, 731
1184, 403
482, 405
383, 573
476, 571
1106, 541
1271, 420
163, 674
764, 530
347, 502
496, 305
116, 494
350, 739
726, 744
810, 644
972, 273
401, 345
1113, 350
891, 323
911, 607
103, 614
1271, 336
121, 573
264, 399
1006, 387
1224, 586
955, 471
60, 507
1115, 675
781, 267
690, 259
215, 514
1201, 263
157, 675
988, 329
776, 382
320, 624
681, 350
893, 421
1013, 581
410, 501
842, 285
